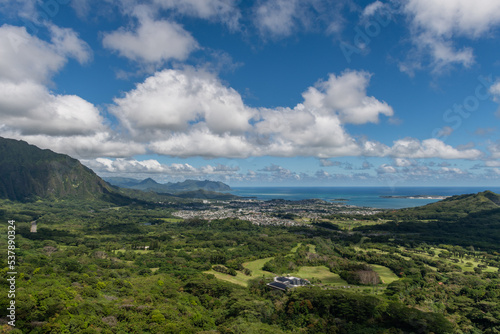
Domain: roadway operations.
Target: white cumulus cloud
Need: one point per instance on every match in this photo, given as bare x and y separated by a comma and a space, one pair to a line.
189, 112
276, 17
30, 111
26, 57
345, 95
372, 8
171, 100
151, 166
435, 24
152, 41
201, 142
430, 148
100, 144
457, 17
27, 107
67, 42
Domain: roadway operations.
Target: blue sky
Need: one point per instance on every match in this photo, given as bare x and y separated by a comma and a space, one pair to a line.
265, 92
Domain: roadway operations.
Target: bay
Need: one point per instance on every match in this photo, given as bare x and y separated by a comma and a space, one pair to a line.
359, 196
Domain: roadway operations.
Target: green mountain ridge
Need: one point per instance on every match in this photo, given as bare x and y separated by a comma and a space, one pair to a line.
29, 173
455, 206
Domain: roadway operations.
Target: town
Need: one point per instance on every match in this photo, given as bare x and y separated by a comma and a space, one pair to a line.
274, 212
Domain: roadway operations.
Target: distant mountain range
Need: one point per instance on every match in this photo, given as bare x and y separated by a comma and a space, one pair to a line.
171, 188
28, 172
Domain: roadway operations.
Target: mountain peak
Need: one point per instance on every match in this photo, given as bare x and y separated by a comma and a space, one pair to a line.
148, 181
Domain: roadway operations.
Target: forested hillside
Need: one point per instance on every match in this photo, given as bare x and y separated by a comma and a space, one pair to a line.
452, 207
28, 173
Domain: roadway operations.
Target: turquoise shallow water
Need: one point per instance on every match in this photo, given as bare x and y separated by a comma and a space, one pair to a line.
359, 196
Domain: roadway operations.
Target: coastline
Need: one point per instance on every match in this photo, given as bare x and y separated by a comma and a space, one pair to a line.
373, 197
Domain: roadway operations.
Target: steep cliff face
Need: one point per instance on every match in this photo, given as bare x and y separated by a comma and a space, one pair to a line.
28, 172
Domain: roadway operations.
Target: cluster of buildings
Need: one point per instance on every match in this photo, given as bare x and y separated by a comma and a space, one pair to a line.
285, 283
274, 212
257, 218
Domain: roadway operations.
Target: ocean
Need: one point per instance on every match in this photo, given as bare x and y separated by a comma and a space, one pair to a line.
359, 196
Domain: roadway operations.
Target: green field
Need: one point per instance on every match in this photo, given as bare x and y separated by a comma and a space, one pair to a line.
321, 273
386, 275
318, 273
242, 279
172, 220
138, 251
349, 224
256, 267
239, 279
311, 249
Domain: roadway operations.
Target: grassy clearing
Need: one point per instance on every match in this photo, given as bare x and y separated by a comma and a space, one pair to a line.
242, 279
349, 224
138, 251
302, 220
239, 279
294, 249
312, 248
386, 275
172, 220
321, 273
256, 267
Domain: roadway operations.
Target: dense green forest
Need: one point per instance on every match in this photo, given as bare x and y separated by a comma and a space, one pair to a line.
96, 267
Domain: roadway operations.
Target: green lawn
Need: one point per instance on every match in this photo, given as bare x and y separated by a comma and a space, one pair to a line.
322, 273
256, 267
386, 275
239, 279
242, 279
